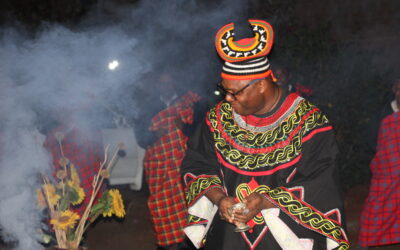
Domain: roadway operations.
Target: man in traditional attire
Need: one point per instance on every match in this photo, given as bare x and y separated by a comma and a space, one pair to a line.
163, 157
380, 217
269, 149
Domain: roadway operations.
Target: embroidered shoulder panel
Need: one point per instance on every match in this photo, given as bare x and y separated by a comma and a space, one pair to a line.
199, 186
264, 147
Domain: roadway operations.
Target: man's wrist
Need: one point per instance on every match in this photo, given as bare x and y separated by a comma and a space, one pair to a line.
266, 202
215, 195
218, 201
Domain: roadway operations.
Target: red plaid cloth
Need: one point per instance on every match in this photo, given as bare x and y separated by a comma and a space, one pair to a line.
162, 168
84, 149
380, 217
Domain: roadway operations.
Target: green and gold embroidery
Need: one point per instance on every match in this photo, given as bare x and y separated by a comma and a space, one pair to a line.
278, 144
200, 185
192, 219
307, 215
243, 190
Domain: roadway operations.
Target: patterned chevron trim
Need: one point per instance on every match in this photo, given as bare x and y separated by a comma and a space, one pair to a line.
199, 185
194, 220
274, 145
307, 215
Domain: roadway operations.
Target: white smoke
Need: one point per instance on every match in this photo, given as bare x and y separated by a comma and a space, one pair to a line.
60, 67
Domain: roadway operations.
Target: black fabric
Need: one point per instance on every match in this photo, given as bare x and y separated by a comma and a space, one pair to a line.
242, 28
317, 174
199, 112
201, 158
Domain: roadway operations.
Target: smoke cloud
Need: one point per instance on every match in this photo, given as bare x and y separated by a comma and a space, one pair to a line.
58, 68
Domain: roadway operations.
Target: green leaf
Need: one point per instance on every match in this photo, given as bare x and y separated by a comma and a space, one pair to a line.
65, 199
64, 203
74, 197
97, 208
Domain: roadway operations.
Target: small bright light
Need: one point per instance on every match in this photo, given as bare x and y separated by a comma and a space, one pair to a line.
216, 92
113, 65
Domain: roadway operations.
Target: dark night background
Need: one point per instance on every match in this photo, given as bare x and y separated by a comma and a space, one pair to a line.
347, 52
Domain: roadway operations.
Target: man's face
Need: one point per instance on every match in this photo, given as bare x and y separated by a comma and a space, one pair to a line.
245, 100
396, 91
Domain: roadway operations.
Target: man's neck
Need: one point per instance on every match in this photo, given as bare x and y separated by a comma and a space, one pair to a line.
272, 103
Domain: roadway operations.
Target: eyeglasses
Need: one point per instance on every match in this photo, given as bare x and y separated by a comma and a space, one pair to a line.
225, 92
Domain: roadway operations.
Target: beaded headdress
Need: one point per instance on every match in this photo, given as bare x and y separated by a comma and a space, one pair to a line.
245, 59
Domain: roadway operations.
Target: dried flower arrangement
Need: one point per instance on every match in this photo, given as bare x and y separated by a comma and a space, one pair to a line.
61, 195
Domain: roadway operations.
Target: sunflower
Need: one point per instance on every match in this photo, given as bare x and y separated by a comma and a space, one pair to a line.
105, 205
49, 192
117, 203
77, 193
109, 212
65, 220
74, 175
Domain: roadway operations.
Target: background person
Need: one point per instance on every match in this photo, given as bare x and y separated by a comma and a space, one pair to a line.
161, 133
391, 106
380, 219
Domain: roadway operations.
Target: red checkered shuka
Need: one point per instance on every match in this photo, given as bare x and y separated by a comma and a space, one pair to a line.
85, 151
162, 168
380, 217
